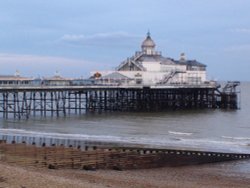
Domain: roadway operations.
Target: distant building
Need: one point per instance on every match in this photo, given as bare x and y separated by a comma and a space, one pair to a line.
37, 81
12, 80
114, 78
149, 67
56, 81
82, 81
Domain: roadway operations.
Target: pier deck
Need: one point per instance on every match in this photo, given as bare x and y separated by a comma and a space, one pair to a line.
23, 102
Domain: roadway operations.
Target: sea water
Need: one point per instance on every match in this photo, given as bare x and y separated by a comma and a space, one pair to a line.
208, 129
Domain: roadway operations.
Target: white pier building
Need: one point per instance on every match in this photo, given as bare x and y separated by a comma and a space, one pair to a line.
149, 67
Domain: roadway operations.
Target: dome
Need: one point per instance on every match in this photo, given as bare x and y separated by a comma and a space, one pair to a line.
148, 42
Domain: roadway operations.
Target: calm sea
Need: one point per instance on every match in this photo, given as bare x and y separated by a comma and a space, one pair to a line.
214, 130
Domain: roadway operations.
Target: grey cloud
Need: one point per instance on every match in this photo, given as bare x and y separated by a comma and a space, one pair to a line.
32, 65
238, 48
112, 38
241, 30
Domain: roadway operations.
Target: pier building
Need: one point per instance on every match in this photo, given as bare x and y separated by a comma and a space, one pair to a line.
150, 67
15, 80
56, 80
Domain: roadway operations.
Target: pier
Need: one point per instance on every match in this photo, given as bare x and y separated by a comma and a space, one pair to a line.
26, 101
146, 81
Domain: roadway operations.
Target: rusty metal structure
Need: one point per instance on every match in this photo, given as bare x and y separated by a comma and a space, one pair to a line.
26, 101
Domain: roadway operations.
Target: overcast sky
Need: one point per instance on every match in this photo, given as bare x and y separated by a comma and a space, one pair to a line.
40, 37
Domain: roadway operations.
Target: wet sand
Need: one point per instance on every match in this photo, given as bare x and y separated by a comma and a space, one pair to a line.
209, 175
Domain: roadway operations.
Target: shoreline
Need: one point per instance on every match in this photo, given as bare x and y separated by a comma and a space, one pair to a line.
30, 138
208, 175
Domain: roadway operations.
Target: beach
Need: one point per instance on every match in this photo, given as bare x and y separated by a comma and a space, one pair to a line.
207, 130
207, 175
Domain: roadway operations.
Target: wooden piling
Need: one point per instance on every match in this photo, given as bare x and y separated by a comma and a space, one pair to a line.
24, 102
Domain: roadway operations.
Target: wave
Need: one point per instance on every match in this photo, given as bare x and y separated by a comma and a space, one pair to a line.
206, 144
22, 132
236, 138
179, 133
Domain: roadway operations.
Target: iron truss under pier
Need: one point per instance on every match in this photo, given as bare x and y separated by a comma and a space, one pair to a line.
23, 102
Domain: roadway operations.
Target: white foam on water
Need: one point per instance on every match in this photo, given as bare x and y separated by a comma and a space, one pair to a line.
229, 145
179, 133
236, 138
22, 132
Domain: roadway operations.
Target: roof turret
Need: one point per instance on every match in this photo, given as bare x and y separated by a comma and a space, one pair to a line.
148, 43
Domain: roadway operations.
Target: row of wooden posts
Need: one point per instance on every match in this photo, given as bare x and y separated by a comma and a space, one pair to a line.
89, 158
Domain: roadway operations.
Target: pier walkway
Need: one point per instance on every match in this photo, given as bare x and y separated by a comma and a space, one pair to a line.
25, 101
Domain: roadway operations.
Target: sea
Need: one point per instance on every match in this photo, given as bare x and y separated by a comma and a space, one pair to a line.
206, 129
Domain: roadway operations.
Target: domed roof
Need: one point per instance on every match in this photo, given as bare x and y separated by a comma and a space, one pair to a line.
148, 42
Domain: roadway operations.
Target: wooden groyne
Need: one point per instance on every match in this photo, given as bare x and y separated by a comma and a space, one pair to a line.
23, 102
89, 158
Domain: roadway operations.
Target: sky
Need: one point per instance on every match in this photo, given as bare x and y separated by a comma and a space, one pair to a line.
74, 37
